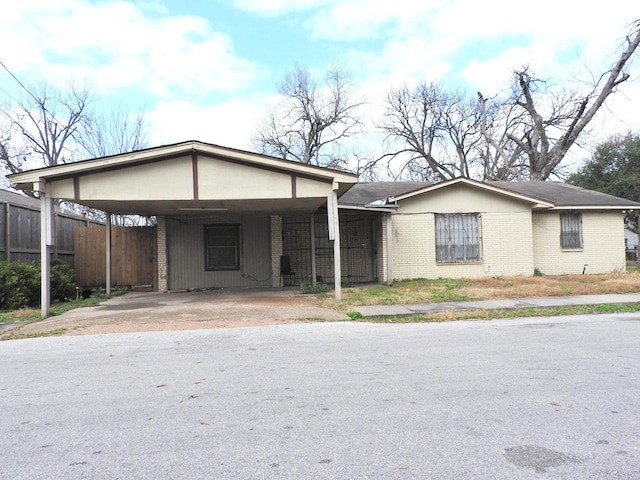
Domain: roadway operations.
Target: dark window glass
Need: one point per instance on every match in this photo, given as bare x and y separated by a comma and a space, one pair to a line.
457, 237
571, 231
222, 247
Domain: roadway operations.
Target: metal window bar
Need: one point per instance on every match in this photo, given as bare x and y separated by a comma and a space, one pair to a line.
357, 247
571, 231
457, 238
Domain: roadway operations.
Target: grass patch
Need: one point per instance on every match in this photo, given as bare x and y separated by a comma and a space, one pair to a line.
633, 268
511, 313
315, 288
28, 315
17, 335
486, 288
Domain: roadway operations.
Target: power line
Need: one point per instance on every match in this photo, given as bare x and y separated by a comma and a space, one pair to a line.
38, 101
22, 85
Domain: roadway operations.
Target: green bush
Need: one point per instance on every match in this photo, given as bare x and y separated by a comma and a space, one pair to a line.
20, 284
63, 284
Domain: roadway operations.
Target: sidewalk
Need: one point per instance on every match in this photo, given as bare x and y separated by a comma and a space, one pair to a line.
500, 304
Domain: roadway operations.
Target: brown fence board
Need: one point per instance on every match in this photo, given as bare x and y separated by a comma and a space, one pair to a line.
133, 256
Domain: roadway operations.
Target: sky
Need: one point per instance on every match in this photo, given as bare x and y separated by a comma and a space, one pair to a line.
209, 69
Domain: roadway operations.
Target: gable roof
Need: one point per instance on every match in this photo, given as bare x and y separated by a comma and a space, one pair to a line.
148, 155
542, 195
474, 183
366, 193
189, 178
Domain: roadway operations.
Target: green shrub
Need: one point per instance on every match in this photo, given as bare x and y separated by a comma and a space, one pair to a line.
537, 272
63, 285
20, 284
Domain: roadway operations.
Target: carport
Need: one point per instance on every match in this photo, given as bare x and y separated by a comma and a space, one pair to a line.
221, 207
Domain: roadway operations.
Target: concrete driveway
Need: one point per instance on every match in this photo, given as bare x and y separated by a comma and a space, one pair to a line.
150, 311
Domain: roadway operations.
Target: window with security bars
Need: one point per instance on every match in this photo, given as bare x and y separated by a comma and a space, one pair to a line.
222, 247
457, 237
571, 231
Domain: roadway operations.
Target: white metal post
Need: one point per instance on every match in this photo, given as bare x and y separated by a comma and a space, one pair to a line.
108, 253
389, 237
46, 241
334, 231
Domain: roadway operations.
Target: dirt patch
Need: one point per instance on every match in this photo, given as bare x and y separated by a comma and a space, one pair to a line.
140, 312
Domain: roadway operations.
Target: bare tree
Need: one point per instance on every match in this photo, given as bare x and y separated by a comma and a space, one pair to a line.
50, 127
499, 157
544, 124
112, 132
435, 131
47, 120
310, 123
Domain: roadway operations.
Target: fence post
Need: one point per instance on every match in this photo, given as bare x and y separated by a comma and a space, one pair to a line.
7, 232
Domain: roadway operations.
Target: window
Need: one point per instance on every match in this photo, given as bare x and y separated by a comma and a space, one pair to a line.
222, 247
571, 231
457, 237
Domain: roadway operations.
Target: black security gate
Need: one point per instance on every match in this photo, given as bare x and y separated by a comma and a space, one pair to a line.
358, 248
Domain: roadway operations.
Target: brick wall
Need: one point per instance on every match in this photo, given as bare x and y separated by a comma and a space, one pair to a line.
276, 249
506, 242
603, 244
162, 254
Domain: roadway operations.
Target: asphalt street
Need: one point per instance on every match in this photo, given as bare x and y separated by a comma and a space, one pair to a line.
543, 398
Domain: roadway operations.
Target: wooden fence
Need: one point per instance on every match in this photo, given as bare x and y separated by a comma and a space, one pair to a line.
133, 256
20, 230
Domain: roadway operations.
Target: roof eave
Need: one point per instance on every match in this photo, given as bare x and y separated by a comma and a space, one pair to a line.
595, 207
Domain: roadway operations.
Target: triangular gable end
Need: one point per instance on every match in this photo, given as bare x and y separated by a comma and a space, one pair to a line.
535, 202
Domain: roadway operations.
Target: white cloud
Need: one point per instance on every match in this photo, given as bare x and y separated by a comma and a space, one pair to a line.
231, 123
279, 7
116, 44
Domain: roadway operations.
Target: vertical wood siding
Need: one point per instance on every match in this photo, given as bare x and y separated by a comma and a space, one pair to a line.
133, 256
186, 253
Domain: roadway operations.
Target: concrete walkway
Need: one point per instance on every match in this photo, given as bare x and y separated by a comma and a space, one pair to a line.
499, 304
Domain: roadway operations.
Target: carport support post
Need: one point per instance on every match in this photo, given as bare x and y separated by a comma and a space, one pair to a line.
334, 234
46, 241
312, 232
389, 239
108, 253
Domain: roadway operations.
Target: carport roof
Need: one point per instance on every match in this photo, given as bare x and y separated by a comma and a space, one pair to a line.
147, 155
189, 178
